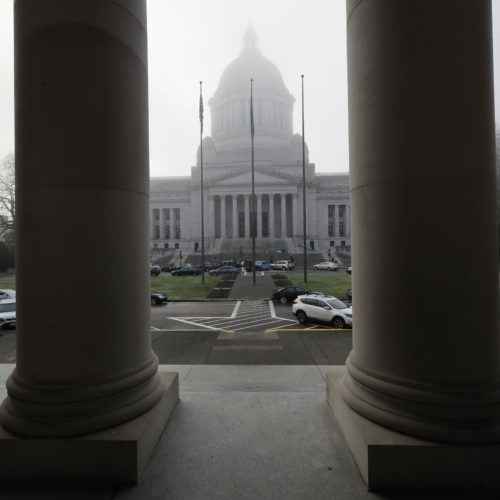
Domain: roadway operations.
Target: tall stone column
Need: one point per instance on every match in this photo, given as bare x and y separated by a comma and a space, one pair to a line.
151, 224
81, 95
422, 141
259, 215
211, 216
223, 233
247, 216
347, 219
235, 215
295, 213
272, 232
162, 223
283, 215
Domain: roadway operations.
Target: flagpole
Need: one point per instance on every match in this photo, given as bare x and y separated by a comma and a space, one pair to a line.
253, 226
201, 191
304, 186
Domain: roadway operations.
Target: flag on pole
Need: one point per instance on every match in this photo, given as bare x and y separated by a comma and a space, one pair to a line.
201, 110
251, 108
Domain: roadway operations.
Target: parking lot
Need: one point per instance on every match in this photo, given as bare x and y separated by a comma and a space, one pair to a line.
243, 332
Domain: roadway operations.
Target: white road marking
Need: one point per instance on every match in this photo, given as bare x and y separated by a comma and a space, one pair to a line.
235, 310
245, 315
195, 324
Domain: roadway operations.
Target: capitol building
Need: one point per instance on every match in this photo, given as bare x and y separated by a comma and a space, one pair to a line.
175, 208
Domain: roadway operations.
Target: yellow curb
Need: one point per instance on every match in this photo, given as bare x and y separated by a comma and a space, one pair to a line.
226, 331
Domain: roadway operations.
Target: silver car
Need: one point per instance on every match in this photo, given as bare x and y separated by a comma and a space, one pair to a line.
282, 265
322, 309
7, 314
326, 266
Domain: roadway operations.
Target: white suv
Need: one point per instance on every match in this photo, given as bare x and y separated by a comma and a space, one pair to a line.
322, 309
282, 265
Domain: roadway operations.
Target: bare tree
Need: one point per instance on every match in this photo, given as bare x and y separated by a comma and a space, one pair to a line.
7, 195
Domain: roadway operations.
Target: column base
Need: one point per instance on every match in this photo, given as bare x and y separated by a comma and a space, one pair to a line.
388, 460
118, 454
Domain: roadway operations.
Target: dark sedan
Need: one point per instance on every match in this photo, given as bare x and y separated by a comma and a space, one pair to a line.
158, 298
288, 294
186, 271
225, 270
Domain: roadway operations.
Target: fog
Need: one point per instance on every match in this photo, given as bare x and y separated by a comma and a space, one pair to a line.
195, 40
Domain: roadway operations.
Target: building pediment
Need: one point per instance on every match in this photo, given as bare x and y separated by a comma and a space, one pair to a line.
262, 176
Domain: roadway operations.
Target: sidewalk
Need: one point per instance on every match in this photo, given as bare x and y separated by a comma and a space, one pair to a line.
244, 288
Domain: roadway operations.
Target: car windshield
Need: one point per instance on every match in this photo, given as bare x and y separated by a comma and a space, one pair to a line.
7, 308
337, 304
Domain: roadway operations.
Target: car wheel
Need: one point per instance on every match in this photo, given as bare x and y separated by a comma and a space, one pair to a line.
315, 268
154, 301
301, 317
338, 323
283, 300
283, 268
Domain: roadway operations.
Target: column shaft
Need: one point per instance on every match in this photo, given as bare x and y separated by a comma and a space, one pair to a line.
247, 216
272, 232
259, 215
235, 215
92, 367
413, 73
223, 232
162, 223
283, 215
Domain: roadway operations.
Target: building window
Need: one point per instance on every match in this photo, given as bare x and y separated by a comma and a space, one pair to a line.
342, 243
155, 245
330, 229
341, 211
177, 246
157, 233
332, 243
341, 229
331, 211
166, 245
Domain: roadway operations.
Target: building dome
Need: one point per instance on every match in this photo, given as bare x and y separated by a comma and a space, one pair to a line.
250, 64
272, 102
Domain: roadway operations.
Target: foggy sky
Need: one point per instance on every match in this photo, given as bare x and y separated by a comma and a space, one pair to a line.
195, 40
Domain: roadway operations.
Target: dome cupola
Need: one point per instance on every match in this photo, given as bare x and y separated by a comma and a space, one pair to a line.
272, 102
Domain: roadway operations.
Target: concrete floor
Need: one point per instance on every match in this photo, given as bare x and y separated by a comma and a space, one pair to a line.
238, 432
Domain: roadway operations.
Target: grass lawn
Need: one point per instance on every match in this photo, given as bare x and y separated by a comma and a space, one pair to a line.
176, 287
335, 284
9, 284
184, 287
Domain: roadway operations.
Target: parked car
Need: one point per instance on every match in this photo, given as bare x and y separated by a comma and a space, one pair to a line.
282, 265
287, 294
7, 294
225, 270
348, 270
167, 268
7, 314
322, 309
158, 298
326, 266
186, 271
155, 270
261, 265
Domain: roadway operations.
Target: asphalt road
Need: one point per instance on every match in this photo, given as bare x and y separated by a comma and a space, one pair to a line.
243, 332
232, 332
